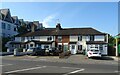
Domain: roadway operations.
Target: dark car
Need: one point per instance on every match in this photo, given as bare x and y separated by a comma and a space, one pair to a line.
54, 51
38, 51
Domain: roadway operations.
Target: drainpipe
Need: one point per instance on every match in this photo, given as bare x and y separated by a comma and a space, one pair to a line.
116, 46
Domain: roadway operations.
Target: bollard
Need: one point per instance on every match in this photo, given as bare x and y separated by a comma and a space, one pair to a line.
8, 50
15, 52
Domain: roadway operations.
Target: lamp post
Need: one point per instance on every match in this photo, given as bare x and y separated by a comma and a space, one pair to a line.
116, 46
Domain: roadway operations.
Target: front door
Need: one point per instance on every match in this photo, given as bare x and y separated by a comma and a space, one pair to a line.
73, 49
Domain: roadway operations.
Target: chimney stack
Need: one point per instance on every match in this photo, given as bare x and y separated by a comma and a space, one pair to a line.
58, 27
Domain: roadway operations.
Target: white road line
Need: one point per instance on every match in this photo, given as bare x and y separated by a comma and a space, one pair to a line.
74, 71
6, 65
70, 67
25, 69
117, 71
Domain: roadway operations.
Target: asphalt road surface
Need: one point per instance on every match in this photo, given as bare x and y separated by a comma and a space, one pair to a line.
11, 67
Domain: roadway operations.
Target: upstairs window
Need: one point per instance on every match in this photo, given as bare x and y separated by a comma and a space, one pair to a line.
22, 38
9, 27
92, 38
3, 25
59, 38
49, 38
79, 38
15, 29
32, 37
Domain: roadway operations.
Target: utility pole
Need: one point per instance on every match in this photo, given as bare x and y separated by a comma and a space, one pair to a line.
116, 46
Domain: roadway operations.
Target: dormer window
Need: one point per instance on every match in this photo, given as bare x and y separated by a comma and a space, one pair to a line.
59, 38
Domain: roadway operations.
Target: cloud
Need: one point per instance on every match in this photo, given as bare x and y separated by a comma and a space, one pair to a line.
48, 19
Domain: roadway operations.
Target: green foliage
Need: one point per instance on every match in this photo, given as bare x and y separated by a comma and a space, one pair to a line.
111, 40
20, 49
22, 29
4, 41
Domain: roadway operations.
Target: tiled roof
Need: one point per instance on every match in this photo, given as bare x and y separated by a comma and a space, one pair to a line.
6, 16
67, 31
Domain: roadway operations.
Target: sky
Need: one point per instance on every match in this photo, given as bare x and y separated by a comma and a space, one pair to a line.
102, 16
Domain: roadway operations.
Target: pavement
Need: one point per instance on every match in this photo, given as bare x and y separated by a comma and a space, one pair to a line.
73, 59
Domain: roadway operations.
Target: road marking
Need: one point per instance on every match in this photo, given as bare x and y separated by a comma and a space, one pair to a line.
70, 67
74, 71
25, 69
6, 65
117, 71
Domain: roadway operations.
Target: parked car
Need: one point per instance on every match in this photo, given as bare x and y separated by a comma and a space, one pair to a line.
36, 51
54, 51
29, 51
93, 52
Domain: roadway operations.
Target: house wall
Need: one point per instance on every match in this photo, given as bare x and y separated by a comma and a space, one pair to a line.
65, 39
73, 38
44, 38
99, 38
7, 32
18, 39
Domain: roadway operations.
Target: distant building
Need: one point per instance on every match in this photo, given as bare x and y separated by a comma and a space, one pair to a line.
9, 24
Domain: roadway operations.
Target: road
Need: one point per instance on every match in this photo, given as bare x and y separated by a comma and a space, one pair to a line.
42, 67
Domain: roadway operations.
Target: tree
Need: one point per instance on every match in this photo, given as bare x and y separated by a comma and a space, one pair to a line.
4, 41
111, 40
22, 29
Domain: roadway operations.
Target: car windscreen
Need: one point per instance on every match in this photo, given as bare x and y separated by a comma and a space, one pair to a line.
94, 50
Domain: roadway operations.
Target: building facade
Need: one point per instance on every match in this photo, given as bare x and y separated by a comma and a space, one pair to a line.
75, 40
8, 25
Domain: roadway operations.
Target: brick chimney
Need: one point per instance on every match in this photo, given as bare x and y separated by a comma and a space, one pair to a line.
33, 27
58, 27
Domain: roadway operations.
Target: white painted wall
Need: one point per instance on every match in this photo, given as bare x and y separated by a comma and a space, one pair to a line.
44, 38
73, 38
99, 37
37, 38
87, 38
18, 39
